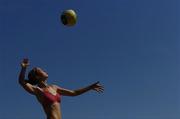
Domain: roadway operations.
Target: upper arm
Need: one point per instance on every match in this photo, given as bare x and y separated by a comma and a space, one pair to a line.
65, 92
28, 87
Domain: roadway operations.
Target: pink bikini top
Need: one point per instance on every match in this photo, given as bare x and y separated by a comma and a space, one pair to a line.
49, 98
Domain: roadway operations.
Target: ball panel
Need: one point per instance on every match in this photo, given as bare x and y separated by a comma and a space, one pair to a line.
71, 20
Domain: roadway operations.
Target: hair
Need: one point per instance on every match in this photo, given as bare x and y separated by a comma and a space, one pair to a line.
31, 77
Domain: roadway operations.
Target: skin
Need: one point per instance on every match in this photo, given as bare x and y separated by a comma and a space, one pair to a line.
52, 111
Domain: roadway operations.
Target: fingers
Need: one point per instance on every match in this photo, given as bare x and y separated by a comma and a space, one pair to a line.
99, 86
25, 60
99, 89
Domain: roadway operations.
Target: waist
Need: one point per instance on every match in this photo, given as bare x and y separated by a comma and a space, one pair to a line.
52, 111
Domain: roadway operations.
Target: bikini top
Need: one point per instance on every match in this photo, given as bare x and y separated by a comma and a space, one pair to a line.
49, 98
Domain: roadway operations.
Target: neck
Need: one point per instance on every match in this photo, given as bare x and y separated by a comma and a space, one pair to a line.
42, 84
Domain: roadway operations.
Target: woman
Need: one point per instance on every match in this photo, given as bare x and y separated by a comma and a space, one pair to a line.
49, 96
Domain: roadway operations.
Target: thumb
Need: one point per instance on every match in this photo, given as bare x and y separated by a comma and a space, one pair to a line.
96, 83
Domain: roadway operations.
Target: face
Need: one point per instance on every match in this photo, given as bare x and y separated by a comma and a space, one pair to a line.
40, 74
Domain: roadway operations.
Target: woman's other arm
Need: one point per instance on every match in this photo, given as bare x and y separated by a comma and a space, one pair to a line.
66, 92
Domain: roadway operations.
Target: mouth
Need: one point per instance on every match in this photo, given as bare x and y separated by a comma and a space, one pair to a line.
46, 76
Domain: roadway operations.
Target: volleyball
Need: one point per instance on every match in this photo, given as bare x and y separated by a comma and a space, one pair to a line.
68, 17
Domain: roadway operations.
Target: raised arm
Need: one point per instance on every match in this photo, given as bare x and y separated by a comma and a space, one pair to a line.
27, 86
66, 92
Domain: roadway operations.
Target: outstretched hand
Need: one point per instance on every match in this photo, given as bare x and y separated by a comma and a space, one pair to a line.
25, 63
97, 87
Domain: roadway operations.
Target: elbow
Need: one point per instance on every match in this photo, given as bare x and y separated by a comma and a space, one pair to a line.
21, 82
75, 93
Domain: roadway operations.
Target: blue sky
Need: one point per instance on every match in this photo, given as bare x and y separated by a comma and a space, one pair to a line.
130, 46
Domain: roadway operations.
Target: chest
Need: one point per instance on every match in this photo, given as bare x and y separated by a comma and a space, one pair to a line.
48, 96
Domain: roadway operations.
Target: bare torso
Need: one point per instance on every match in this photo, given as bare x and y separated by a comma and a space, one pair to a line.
53, 110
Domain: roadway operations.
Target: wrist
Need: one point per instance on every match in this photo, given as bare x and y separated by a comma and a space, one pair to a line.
91, 86
23, 67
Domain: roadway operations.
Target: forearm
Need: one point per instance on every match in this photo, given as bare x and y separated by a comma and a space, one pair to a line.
82, 90
22, 75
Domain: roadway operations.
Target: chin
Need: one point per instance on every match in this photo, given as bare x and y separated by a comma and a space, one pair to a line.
46, 78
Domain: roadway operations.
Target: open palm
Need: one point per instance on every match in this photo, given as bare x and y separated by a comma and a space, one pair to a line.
98, 87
